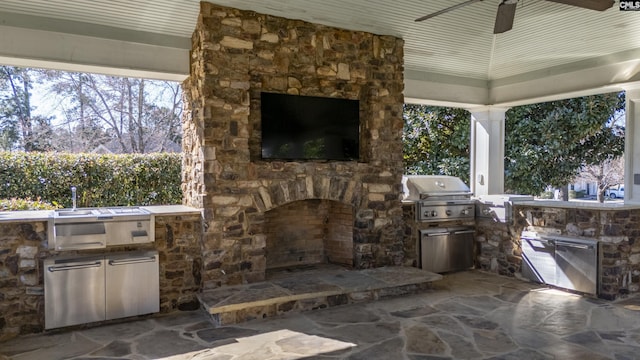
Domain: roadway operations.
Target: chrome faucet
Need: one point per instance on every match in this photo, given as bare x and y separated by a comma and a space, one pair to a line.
73, 197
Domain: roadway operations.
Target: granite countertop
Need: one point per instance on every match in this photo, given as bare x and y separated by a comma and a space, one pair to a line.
160, 210
589, 205
46, 215
33, 215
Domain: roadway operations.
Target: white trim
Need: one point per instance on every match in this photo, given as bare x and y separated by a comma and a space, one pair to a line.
46, 49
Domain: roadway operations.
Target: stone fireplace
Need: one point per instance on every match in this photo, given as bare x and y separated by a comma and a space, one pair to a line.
309, 232
238, 54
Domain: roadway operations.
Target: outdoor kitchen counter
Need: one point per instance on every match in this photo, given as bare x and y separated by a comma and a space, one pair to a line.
168, 210
31, 215
587, 205
46, 215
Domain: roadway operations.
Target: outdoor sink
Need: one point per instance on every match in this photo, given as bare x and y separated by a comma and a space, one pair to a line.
102, 212
126, 211
70, 212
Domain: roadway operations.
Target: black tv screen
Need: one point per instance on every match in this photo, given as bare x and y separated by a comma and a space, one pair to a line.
298, 127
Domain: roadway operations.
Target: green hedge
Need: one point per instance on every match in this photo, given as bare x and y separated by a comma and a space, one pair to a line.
101, 180
24, 204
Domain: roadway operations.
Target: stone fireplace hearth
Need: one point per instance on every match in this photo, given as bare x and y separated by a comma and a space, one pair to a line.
309, 232
238, 54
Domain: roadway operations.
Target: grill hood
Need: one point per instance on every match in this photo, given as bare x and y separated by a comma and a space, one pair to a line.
418, 187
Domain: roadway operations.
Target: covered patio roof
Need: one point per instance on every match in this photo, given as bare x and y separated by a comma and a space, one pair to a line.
553, 51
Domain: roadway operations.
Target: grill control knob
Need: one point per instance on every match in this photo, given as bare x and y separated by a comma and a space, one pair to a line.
448, 212
465, 211
434, 214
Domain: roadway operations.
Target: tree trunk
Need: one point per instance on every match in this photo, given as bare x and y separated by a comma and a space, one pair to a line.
565, 192
141, 145
132, 127
24, 109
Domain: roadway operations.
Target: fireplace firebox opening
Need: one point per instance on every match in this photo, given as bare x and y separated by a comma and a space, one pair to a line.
308, 232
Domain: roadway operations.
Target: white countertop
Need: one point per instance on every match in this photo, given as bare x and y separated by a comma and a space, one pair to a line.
588, 205
45, 215
160, 210
32, 215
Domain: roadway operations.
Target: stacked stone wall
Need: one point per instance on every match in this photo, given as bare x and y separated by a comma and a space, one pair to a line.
237, 55
618, 233
498, 247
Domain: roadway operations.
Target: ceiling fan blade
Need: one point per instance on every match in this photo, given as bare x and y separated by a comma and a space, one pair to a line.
446, 10
504, 17
599, 5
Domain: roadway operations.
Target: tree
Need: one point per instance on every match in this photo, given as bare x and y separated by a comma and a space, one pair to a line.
436, 140
129, 115
607, 173
17, 125
548, 143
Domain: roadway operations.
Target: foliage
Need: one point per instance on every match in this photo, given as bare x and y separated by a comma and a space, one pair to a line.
605, 174
15, 204
19, 128
101, 180
573, 194
126, 115
548, 143
546, 195
436, 140
124, 112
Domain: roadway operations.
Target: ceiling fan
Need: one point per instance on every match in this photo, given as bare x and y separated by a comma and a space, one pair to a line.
507, 10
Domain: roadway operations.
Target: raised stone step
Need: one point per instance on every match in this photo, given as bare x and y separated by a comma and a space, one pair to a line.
319, 287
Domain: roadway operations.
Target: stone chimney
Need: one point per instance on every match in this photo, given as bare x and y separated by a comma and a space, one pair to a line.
238, 54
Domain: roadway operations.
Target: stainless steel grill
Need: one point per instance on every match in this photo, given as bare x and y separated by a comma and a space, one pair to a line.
446, 212
439, 198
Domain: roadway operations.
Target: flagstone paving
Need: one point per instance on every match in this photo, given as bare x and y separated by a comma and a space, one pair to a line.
467, 315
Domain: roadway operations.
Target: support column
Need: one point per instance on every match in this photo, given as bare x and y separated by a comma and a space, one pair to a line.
487, 150
632, 147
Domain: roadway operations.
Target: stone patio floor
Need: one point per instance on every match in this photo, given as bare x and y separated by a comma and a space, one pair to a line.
467, 315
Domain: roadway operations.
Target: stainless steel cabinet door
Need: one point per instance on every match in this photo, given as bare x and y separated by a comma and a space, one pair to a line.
577, 266
538, 260
132, 285
443, 251
73, 291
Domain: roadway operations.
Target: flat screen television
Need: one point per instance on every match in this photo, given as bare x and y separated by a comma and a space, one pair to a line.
298, 127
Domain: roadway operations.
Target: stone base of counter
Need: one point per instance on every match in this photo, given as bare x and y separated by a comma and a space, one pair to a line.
617, 230
24, 246
497, 247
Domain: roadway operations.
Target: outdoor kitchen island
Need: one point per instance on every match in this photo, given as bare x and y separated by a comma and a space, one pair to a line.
616, 227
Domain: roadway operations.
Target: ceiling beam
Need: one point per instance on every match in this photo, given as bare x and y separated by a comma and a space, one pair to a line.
21, 46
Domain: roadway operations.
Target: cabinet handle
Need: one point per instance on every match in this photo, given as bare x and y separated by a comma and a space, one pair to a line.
74, 267
132, 261
574, 245
75, 246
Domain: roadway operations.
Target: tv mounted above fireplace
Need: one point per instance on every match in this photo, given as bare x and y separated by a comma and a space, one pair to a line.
298, 127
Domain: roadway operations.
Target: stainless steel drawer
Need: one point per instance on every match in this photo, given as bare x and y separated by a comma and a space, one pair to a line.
132, 284
447, 249
73, 291
80, 236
